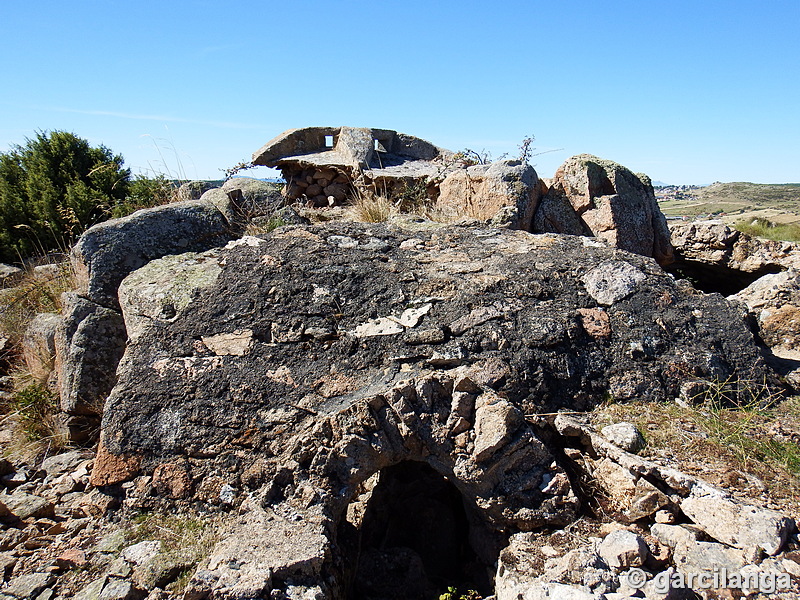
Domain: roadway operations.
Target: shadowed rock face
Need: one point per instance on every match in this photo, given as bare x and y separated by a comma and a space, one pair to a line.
594, 196
300, 364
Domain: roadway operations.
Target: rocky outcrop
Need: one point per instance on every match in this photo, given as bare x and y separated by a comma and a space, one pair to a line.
325, 166
728, 521
193, 190
719, 536
716, 244
107, 252
607, 201
485, 191
773, 301
63, 539
375, 410
718, 258
253, 198
402, 352
90, 339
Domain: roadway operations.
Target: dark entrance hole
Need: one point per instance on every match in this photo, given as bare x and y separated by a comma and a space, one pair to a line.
414, 535
710, 279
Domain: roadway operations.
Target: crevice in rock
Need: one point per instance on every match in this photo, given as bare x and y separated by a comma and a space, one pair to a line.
566, 451
410, 534
716, 279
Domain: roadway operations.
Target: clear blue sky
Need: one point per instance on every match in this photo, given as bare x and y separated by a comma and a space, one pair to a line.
685, 91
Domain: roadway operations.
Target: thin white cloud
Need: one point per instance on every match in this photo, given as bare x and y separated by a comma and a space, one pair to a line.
160, 118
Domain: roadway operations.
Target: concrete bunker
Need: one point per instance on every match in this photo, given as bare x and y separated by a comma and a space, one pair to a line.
328, 166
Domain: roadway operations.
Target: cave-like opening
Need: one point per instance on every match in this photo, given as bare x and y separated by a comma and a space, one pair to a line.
715, 279
411, 534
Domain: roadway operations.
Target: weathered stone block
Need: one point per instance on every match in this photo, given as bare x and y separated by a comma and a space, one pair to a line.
89, 341
109, 251
612, 203
39, 347
483, 191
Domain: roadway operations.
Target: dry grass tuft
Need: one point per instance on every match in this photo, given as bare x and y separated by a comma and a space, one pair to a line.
184, 541
32, 407
371, 208
266, 226
35, 293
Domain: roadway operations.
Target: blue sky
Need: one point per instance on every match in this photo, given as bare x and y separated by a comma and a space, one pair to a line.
687, 92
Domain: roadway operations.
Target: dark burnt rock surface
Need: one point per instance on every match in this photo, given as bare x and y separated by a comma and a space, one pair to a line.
298, 364
511, 299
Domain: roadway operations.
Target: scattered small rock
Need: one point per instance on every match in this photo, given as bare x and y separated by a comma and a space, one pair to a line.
625, 435
28, 586
622, 548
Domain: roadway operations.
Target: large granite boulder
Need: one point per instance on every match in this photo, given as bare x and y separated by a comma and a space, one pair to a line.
720, 258
194, 190
107, 252
610, 202
710, 242
716, 244
317, 367
484, 191
774, 302
253, 197
91, 337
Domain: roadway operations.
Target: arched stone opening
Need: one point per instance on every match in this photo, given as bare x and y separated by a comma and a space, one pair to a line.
411, 534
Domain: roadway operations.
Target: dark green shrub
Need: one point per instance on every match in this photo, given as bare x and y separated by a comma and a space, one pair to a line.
52, 189
145, 192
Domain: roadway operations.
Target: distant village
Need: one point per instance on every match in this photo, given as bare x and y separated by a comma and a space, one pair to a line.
677, 192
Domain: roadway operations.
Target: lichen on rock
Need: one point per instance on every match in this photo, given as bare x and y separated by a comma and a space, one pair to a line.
287, 360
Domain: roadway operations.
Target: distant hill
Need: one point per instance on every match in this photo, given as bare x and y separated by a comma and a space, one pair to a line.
773, 195
738, 201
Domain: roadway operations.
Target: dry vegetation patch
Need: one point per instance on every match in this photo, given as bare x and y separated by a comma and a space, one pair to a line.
30, 404
185, 541
35, 293
753, 451
372, 208
764, 228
